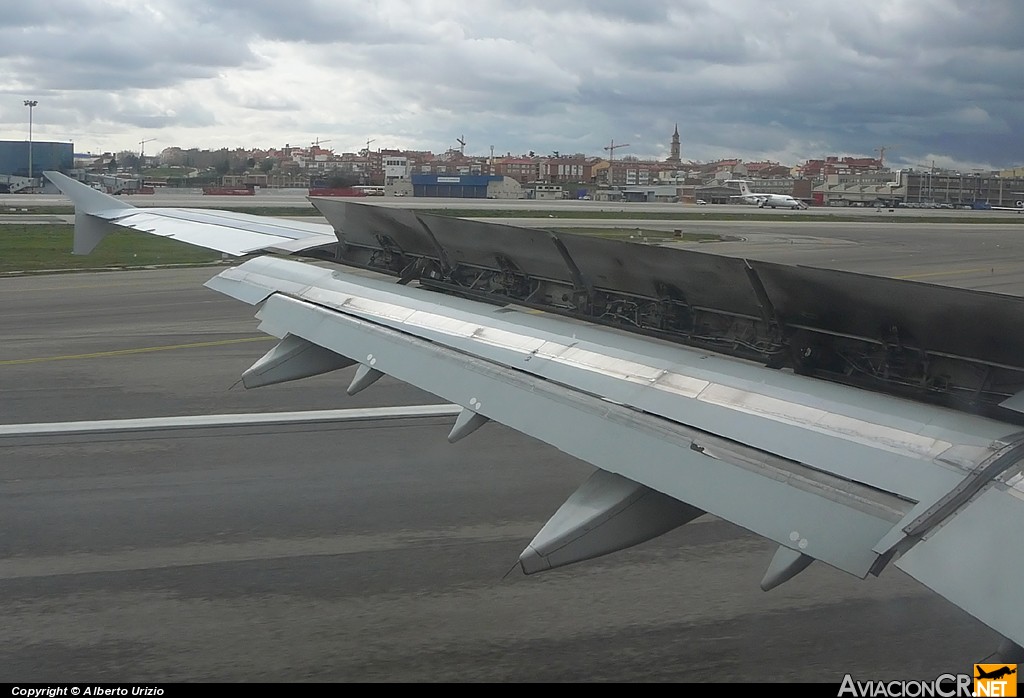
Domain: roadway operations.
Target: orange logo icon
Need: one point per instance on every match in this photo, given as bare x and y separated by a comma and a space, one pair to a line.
995, 680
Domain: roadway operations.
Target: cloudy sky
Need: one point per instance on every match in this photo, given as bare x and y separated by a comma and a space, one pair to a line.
940, 80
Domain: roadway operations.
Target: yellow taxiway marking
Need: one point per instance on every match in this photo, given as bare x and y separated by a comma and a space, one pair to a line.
140, 350
951, 272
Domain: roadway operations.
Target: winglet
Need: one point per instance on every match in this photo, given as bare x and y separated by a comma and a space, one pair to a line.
89, 229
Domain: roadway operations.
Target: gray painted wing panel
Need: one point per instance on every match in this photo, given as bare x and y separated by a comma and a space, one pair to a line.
800, 505
224, 233
882, 441
784, 501
279, 227
976, 559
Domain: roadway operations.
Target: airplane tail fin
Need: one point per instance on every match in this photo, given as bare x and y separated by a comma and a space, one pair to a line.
742, 183
89, 228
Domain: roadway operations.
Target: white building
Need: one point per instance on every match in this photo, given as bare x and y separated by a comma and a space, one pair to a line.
396, 169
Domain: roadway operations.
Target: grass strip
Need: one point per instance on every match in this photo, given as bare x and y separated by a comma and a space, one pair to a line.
42, 247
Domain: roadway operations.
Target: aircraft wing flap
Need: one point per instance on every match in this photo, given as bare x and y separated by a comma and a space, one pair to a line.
976, 558
810, 506
825, 516
221, 238
225, 233
918, 452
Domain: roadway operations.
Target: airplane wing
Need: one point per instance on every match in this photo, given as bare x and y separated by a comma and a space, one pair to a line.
97, 214
739, 390
828, 472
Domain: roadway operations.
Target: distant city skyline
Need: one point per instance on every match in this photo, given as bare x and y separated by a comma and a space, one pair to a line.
668, 162
786, 82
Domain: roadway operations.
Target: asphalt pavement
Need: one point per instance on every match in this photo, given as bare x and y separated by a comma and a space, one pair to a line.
379, 552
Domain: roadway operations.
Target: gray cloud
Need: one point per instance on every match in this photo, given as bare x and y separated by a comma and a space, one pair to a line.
791, 80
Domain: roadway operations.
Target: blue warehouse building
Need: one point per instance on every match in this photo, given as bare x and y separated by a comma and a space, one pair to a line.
453, 186
46, 155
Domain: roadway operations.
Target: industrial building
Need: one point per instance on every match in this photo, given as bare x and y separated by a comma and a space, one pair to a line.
662, 193
916, 188
46, 155
466, 186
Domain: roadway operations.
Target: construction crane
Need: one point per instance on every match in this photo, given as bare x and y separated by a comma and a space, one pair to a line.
142, 151
317, 142
881, 152
368, 142
461, 140
611, 148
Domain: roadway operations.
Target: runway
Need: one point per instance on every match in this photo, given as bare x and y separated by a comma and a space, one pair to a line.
299, 198
378, 553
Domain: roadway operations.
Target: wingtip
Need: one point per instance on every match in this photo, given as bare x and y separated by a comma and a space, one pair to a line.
85, 198
89, 229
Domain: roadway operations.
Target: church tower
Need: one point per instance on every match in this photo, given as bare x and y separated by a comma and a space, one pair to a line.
674, 156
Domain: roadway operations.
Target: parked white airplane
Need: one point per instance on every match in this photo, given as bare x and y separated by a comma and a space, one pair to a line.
1018, 206
764, 199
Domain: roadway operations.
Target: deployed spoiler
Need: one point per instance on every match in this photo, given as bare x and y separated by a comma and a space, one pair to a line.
956, 347
950, 346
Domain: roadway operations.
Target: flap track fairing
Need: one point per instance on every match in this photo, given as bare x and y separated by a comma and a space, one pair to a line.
607, 513
365, 376
291, 359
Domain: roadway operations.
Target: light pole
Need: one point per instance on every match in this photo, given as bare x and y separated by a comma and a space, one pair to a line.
30, 103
